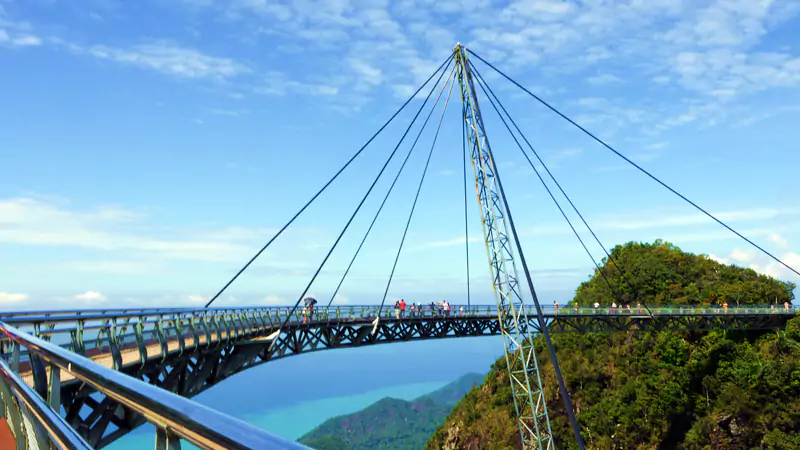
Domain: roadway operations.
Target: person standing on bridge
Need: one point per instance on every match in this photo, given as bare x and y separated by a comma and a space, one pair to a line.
555, 306
402, 308
397, 309
308, 311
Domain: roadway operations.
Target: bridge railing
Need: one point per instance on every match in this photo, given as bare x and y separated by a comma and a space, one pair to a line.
156, 332
32, 422
39, 423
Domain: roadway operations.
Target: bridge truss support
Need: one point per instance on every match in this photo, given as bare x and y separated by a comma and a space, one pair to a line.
523, 370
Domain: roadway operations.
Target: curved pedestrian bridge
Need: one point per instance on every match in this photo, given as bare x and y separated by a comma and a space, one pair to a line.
66, 357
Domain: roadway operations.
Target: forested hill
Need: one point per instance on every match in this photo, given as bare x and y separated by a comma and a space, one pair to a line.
656, 390
390, 423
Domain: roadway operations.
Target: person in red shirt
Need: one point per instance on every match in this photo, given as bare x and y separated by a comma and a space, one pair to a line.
402, 308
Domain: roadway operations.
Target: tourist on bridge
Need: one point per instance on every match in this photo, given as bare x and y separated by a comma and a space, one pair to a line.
308, 310
613, 307
397, 309
402, 308
555, 306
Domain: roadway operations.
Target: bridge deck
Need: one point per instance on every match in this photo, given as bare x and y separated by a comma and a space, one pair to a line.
130, 354
6, 438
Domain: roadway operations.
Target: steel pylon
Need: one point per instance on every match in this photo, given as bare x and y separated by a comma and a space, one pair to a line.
523, 369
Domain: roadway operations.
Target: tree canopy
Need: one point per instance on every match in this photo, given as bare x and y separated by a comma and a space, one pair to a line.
651, 390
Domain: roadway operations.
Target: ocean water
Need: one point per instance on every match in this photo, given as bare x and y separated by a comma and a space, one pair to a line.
290, 397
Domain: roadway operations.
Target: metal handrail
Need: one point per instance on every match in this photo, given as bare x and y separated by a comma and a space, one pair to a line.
57, 430
179, 416
33, 317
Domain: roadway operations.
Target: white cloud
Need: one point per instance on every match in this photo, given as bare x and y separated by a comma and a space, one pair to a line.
9, 297
778, 240
639, 221
742, 256
604, 79
27, 41
279, 83
763, 264
274, 300
30, 221
229, 112
195, 298
711, 52
170, 59
90, 296
567, 153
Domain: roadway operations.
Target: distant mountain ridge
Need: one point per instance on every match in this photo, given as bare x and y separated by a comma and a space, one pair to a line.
390, 423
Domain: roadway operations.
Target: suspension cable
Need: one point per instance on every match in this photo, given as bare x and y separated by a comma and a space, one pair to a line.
569, 222
485, 86
416, 197
601, 142
374, 182
336, 175
466, 217
408, 155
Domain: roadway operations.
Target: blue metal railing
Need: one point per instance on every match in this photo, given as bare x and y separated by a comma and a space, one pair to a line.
175, 417
33, 423
62, 338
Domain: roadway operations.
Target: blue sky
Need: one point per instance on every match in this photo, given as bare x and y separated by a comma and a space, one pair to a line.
149, 148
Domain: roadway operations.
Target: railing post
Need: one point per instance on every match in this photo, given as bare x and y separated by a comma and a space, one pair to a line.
179, 331
13, 417
116, 355
166, 440
138, 330
54, 389
193, 331
78, 345
15, 357
162, 339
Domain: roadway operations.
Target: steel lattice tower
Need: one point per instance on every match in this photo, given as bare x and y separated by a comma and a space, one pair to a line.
523, 370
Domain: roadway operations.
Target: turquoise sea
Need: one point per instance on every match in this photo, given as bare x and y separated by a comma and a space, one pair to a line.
290, 397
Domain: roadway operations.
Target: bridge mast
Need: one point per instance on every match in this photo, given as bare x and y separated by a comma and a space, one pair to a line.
523, 370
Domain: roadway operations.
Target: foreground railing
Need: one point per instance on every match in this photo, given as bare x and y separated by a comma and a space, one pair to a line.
32, 422
37, 424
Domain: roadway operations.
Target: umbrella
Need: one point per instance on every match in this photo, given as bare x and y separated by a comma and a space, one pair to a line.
310, 301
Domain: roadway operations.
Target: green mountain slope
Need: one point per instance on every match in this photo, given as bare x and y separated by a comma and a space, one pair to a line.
391, 423
656, 390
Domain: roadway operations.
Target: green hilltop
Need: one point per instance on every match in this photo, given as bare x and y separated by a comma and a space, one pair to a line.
656, 390
390, 423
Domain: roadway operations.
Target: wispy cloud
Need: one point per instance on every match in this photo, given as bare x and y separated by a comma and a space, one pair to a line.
229, 112
604, 79
28, 221
279, 83
12, 298
638, 221
762, 263
168, 58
